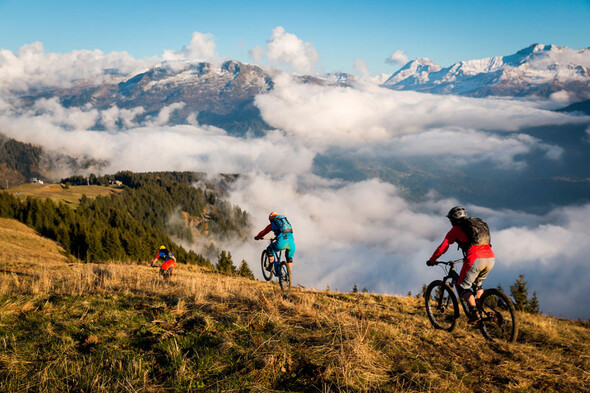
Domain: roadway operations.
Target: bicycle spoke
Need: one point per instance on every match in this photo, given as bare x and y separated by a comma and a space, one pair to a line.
441, 306
498, 316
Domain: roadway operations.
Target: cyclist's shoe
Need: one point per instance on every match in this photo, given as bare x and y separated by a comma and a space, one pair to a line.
269, 267
473, 316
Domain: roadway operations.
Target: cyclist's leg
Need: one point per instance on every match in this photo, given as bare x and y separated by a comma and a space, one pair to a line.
290, 250
483, 274
270, 251
475, 273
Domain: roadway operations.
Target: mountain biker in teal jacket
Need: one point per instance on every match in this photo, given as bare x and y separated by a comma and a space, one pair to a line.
479, 258
283, 237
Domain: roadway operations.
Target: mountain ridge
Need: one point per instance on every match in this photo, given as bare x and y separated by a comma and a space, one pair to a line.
536, 71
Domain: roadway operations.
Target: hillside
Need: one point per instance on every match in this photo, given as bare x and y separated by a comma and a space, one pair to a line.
59, 193
18, 162
67, 326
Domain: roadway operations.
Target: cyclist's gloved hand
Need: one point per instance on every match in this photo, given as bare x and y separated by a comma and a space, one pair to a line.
429, 263
256, 238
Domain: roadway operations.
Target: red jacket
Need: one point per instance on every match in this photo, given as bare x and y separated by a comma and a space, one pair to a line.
474, 252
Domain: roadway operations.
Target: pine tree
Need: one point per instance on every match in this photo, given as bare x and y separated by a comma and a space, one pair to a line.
225, 264
533, 304
355, 289
520, 293
244, 270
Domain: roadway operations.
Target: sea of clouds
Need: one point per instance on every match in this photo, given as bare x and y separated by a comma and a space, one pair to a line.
366, 232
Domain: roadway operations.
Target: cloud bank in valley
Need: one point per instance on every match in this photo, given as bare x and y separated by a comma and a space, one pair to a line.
347, 232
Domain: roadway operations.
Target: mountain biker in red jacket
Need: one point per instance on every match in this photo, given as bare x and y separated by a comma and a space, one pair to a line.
168, 260
479, 259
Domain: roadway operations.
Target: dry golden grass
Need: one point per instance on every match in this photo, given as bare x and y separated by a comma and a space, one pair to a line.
115, 327
21, 245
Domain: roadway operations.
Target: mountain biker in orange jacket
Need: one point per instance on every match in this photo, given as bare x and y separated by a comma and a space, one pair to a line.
168, 260
284, 237
478, 259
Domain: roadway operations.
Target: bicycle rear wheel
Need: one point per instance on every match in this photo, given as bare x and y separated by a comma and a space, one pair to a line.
265, 263
285, 277
441, 305
166, 274
498, 321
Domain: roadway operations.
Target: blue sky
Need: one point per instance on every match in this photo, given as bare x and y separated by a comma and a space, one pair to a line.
445, 31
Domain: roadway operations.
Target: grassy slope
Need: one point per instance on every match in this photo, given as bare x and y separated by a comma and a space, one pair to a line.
57, 193
66, 326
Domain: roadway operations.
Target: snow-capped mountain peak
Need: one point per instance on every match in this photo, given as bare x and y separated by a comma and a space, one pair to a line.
538, 70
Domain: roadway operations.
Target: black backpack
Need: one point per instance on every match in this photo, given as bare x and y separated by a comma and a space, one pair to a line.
477, 232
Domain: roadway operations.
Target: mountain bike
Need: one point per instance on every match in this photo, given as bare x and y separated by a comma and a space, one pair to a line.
165, 273
497, 316
279, 269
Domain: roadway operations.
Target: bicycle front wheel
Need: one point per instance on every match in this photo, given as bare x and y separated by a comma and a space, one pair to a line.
285, 276
265, 264
441, 305
498, 321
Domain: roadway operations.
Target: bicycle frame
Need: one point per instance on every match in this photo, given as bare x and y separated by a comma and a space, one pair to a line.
496, 314
452, 275
277, 258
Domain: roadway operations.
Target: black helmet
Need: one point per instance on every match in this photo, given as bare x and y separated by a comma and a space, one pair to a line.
457, 212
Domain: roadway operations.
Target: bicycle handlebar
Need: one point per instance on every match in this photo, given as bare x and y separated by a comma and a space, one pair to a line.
451, 263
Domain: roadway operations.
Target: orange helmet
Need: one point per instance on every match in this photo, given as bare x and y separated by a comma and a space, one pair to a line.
272, 215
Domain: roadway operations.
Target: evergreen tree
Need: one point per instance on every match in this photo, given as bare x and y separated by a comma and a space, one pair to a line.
520, 293
533, 304
225, 264
355, 289
244, 270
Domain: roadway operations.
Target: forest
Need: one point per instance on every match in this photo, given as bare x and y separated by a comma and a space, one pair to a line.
131, 225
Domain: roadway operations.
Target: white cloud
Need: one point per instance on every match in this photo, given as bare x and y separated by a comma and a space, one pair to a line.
111, 117
152, 146
31, 67
201, 48
397, 58
459, 146
361, 68
257, 54
286, 49
164, 114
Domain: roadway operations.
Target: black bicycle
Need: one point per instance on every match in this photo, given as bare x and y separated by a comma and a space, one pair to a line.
497, 316
277, 268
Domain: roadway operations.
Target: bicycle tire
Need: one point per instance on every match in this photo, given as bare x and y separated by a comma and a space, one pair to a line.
284, 276
499, 321
166, 274
441, 305
264, 263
